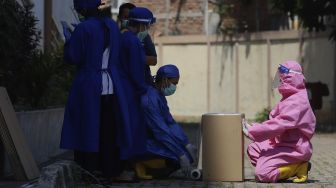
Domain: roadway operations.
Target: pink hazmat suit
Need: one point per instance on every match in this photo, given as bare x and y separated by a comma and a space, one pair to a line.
284, 138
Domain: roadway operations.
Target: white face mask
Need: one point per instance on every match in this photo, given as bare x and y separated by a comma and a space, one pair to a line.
169, 90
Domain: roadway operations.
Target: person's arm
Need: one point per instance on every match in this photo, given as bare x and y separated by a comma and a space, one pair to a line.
151, 56
74, 48
287, 119
151, 60
137, 65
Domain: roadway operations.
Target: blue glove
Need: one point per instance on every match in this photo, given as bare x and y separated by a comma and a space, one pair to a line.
66, 30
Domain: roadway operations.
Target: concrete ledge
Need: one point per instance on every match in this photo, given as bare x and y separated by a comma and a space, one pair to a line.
242, 37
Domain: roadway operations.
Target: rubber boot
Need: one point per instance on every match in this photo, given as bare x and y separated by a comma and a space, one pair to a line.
302, 173
140, 171
140, 167
298, 170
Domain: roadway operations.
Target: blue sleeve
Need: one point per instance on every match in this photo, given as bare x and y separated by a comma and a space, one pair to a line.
137, 65
161, 131
178, 133
149, 47
74, 48
175, 128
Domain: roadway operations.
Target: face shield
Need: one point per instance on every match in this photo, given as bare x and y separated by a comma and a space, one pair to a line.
281, 70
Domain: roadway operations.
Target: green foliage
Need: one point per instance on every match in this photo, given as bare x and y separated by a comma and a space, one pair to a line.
312, 13
19, 40
262, 115
46, 81
33, 79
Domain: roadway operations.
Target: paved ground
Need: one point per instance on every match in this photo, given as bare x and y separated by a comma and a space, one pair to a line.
322, 174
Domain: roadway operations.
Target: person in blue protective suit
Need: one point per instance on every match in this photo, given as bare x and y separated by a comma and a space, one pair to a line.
150, 52
133, 62
96, 119
167, 145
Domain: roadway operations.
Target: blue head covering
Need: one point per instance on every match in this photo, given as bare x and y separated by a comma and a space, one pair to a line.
86, 4
141, 15
167, 71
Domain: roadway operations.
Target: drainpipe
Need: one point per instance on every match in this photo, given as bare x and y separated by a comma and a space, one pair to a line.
166, 25
206, 29
47, 25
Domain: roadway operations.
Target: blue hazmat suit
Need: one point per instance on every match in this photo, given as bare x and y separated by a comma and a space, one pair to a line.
133, 63
165, 137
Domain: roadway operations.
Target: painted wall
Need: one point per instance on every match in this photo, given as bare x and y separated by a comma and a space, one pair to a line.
241, 71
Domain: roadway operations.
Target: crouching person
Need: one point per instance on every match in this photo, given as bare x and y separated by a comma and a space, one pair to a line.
168, 148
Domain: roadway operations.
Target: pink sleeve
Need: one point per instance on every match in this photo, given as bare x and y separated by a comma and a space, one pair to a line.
287, 119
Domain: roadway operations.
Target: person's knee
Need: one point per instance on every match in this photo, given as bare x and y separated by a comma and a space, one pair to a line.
252, 151
266, 174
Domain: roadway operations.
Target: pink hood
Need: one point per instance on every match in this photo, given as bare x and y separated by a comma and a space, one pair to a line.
291, 83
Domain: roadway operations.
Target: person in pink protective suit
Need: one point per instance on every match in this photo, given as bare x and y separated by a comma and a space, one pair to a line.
281, 146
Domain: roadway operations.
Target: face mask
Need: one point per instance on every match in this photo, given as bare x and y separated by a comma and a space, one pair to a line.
169, 90
81, 18
142, 35
124, 24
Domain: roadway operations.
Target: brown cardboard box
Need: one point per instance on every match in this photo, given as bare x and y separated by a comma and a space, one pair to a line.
222, 155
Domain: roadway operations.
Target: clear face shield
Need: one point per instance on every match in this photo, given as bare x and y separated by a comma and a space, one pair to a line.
281, 70
276, 80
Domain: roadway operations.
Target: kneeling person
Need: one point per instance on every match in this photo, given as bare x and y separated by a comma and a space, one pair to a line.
167, 145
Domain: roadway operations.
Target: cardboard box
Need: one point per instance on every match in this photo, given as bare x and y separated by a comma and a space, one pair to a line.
223, 147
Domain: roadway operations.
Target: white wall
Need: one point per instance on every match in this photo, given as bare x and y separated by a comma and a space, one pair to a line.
39, 14
63, 11
254, 60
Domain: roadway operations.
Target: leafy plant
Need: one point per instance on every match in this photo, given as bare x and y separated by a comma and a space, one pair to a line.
313, 14
262, 115
19, 39
33, 79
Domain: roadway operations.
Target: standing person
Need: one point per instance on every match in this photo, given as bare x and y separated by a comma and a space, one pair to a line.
96, 120
281, 146
150, 52
133, 62
168, 147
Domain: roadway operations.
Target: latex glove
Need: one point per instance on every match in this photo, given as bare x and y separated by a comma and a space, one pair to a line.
66, 30
104, 4
185, 165
74, 25
192, 151
184, 162
246, 127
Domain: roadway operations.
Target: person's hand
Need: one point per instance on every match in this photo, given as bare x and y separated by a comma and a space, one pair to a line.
74, 25
246, 127
192, 151
185, 164
66, 30
104, 4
